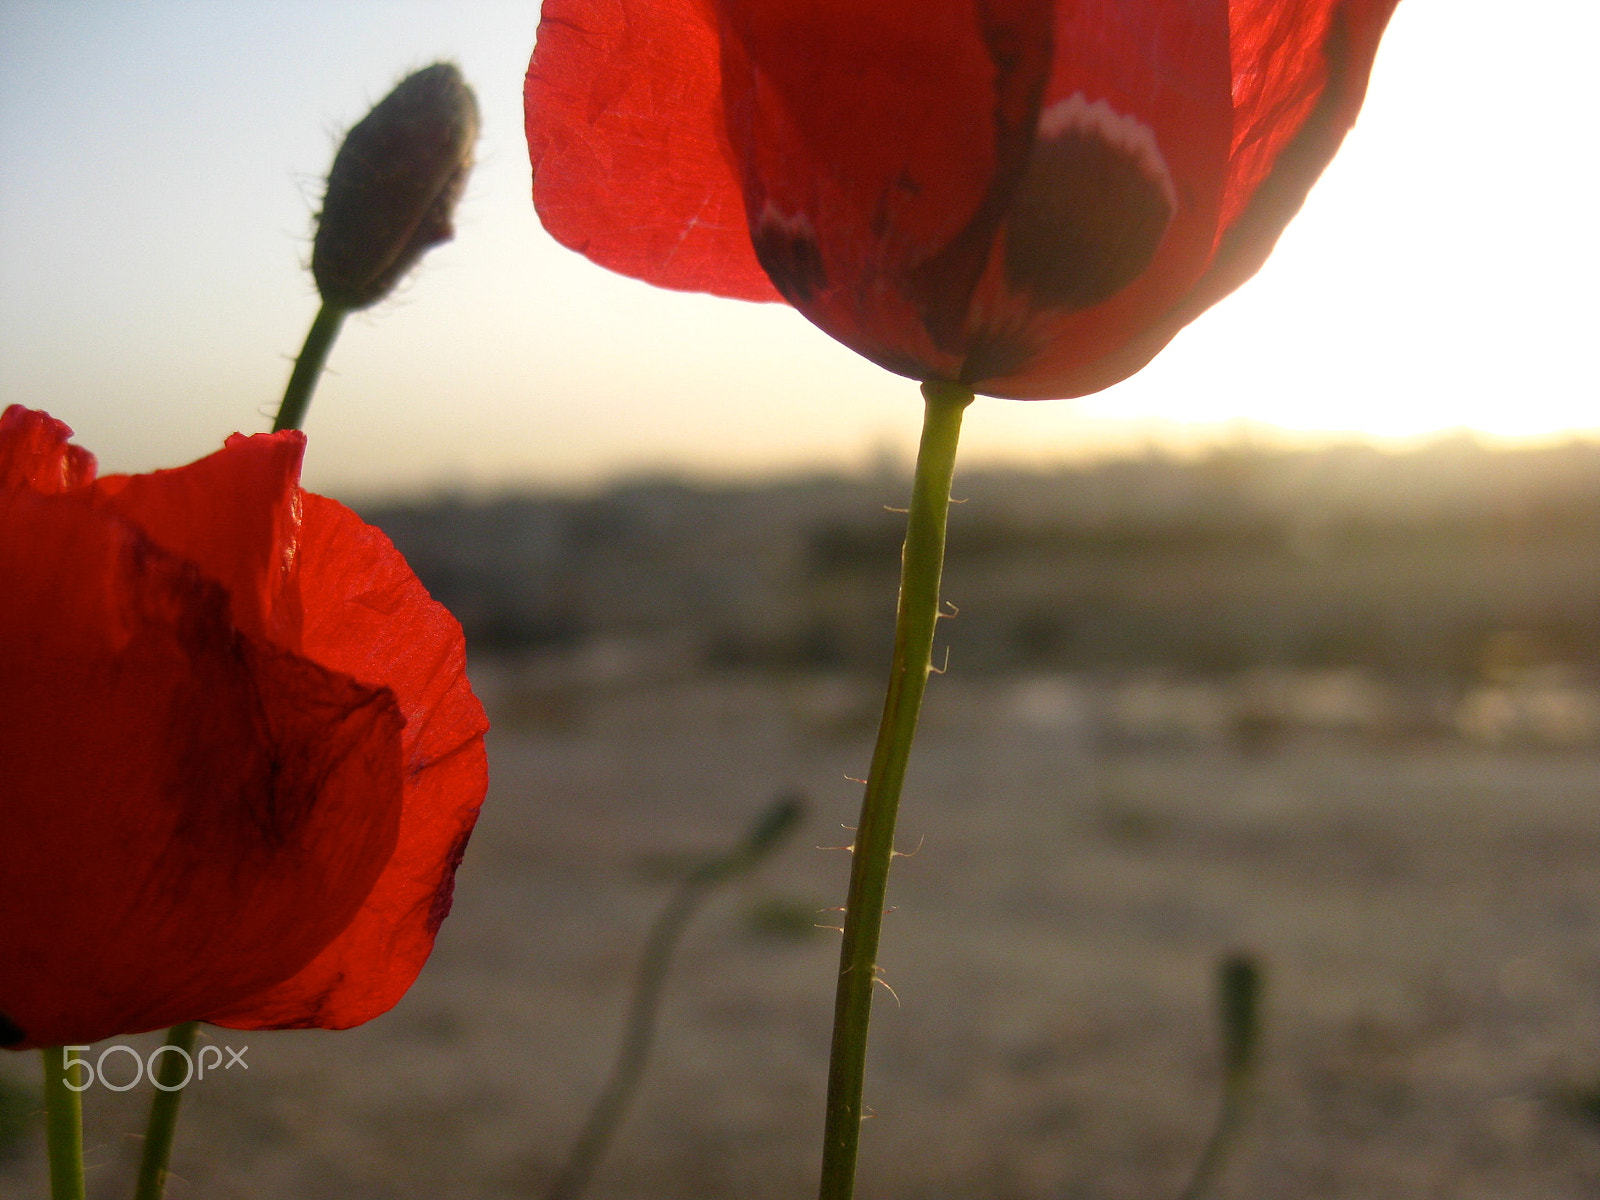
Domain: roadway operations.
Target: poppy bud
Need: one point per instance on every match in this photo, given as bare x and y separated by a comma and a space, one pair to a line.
394, 186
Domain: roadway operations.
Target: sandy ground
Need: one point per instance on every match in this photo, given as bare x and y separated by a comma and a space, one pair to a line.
1428, 914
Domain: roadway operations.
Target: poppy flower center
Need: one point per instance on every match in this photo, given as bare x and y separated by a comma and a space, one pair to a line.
1091, 208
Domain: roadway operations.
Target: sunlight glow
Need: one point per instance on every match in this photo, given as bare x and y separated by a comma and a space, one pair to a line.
151, 291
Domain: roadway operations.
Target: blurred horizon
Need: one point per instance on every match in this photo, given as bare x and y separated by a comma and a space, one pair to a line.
162, 164
1158, 444
1447, 591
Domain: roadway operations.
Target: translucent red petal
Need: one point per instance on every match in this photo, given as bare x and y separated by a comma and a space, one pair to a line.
367, 616
242, 757
630, 158
189, 814
882, 149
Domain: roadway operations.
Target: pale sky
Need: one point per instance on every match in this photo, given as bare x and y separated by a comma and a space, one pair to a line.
160, 163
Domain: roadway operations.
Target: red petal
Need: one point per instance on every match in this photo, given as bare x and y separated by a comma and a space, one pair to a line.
190, 815
878, 144
235, 515
1300, 75
906, 163
366, 615
34, 452
1159, 74
1300, 72
630, 158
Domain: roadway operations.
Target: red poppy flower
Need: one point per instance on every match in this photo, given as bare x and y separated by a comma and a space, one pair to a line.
239, 757
1027, 197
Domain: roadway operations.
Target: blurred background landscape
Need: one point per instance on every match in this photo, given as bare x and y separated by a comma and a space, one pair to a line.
1447, 592
1338, 710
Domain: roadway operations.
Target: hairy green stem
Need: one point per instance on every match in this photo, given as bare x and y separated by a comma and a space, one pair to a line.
308, 367
63, 1119
921, 564
171, 1076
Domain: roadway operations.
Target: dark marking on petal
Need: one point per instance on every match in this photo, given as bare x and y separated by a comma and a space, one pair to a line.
444, 895
995, 353
901, 362
904, 188
309, 1012
1090, 211
10, 1032
787, 249
1019, 40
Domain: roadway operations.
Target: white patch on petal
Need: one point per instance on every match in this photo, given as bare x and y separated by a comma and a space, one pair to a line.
793, 225
1086, 219
1133, 137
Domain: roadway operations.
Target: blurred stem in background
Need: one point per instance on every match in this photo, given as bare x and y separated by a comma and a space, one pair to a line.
770, 829
1239, 989
921, 565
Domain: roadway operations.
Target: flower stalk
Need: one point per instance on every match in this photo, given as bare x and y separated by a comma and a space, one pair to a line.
1239, 997
308, 367
921, 565
63, 1120
169, 1080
